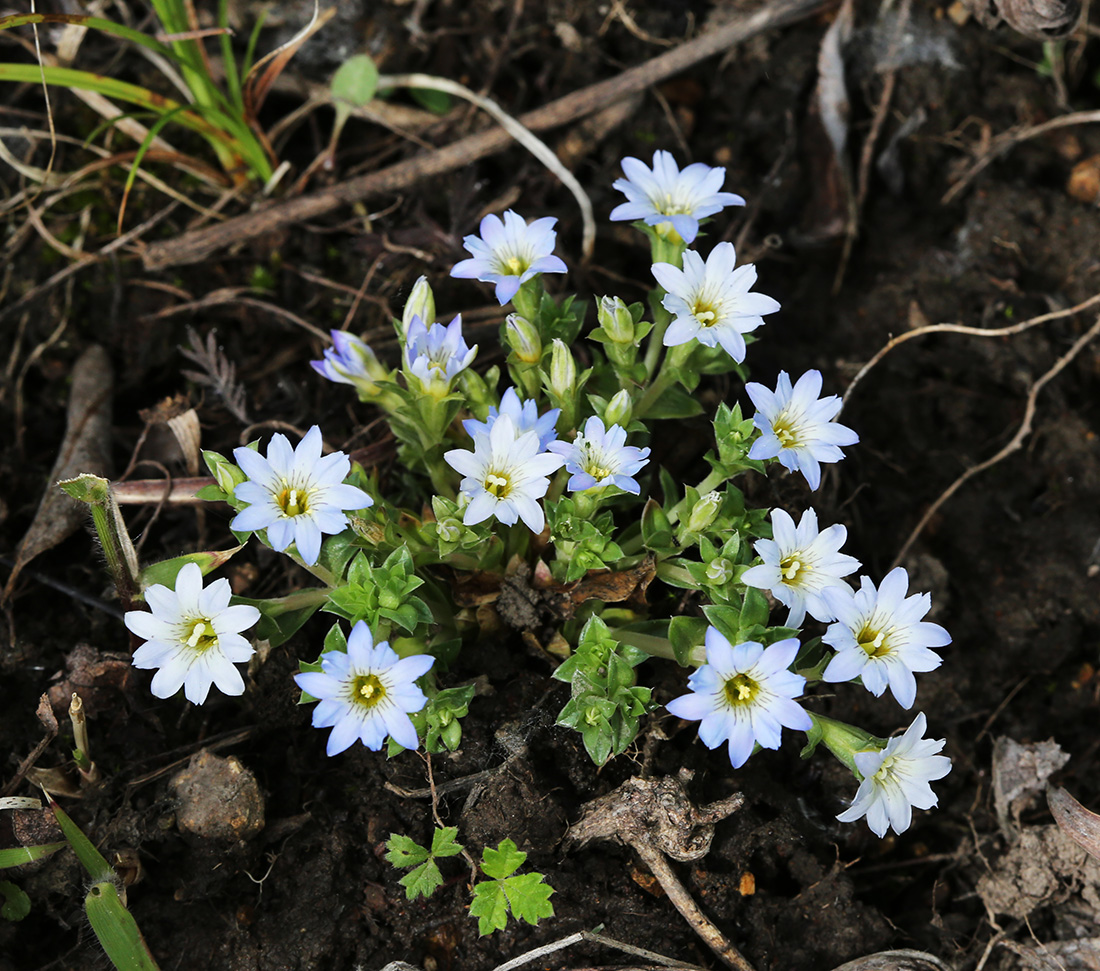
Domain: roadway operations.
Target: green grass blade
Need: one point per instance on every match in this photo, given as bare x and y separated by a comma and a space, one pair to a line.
144, 147
232, 76
98, 868
253, 40
18, 855
94, 23
117, 930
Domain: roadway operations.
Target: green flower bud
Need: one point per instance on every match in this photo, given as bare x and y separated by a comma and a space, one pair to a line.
616, 321
719, 571
421, 303
523, 338
704, 512
563, 370
450, 530
619, 409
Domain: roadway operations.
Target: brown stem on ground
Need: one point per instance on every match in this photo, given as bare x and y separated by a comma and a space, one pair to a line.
196, 245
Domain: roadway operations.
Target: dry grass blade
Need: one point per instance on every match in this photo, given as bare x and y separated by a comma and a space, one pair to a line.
1073, 819
218, 373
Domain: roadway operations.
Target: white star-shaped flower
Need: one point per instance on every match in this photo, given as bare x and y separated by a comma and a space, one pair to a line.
797, 427
296, 494
600, 457
801, 564
510, 253
711, 302
744, 694
668, 198
505, 475
880, 636
193, 636
896, 778
367, 693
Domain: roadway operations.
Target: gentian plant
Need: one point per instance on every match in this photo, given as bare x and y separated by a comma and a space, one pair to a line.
544, 466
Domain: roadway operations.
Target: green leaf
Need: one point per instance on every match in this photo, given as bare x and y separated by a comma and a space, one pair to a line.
16, 904
726, 619
423, 881
755, 608
117, 930
529, 897
489, 906
685, 634
166, 571
443, 841
18, 855
355, 81
674, 403
437, 102
401, 851
502, 862
98, 868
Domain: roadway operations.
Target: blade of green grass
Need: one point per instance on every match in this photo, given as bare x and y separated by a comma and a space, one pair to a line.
93, 861
18, 855
94, 23
117, 930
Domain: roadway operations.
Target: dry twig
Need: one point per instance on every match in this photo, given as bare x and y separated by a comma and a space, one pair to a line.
194, 246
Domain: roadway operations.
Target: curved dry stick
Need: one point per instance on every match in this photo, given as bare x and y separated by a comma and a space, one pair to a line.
1017, 440
528, 139
194, 246
1003, 142
963, 329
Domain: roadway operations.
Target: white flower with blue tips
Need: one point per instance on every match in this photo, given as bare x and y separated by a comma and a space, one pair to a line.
504, 476
896, 778
193, 636
667, 198
435, 356
881, 637
525, 418
710, 302
508, 253
797, 427
296, 494
801, 563
600, 457
366, 693
744, 695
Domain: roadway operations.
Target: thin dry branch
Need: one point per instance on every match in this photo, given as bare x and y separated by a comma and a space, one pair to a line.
196, 245
1017, 440
1006, 140
963, 329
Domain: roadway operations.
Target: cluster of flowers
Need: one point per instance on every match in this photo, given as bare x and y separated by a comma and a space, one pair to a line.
745, 693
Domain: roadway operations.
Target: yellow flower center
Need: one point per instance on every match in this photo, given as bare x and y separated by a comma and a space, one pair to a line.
790, 566
741, 689
293, 502
704, 313
785, 433
367, 690
498, 485
515, 265
203, 636
873, 642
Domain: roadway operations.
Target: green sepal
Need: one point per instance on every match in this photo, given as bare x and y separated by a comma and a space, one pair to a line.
166, 571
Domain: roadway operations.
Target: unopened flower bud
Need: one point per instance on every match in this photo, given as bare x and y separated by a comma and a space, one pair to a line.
615, 319
563, 370
450, 530
719, 571
704, 512
421, 303
619, 409
523, 338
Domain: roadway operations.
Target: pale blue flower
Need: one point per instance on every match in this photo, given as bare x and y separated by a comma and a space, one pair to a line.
505, 475
880, 636
193, 636
350, 361
296, 494
666, 198
525, 418
711, 302
800, 564
367, 693
797, 427
435, 357
744, 694
896, 778
510, 253
600, 457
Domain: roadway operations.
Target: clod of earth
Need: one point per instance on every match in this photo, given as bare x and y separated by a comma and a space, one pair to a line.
218, 799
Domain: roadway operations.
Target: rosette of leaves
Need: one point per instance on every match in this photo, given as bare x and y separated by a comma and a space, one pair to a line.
583, 544
381, 595
607, 703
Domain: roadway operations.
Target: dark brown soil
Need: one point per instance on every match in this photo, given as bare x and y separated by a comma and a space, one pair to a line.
1012, 560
